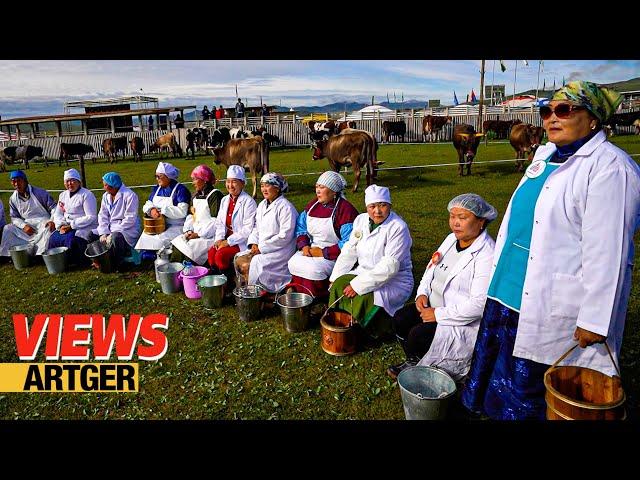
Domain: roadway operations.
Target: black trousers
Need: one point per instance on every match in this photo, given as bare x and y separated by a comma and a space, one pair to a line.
414, 335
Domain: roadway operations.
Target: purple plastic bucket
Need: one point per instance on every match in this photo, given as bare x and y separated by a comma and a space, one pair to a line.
190, 282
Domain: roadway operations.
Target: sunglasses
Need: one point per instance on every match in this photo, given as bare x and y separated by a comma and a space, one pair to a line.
564, 110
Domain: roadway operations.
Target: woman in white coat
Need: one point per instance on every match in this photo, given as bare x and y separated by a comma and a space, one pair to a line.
380, 243
118, 221
200, 225
442, 325
236, 219
30, 211
563, 259
271, 242
169, 198
75, 216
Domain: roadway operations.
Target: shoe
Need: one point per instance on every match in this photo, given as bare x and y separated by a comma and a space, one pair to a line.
394, 370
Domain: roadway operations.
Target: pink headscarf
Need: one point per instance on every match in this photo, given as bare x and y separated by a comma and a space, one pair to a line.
203, 173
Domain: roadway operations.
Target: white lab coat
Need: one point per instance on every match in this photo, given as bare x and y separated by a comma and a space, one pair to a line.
274, 234
120, 214
465, 293
384, 261
79, 211
243, 220
581, 254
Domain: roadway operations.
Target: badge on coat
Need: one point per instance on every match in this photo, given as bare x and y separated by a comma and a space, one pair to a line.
535, 169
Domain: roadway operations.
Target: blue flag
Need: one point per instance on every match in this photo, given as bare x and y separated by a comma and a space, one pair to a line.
455, 99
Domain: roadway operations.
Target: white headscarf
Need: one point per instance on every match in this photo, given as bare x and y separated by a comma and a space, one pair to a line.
168, 170
72, 173
375, 194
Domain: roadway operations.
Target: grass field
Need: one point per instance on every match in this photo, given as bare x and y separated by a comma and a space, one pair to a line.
218, 367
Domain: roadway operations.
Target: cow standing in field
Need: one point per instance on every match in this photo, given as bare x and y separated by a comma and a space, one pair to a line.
262, 132
525, 139
137, 147
431, 126
354, 148
167, 142
321, 130
68, 150
26, 153
343, 125
219, 137
465, 141
246, 152
389, 129
502, 128
111, 147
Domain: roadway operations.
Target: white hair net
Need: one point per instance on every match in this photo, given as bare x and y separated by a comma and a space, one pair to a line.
475, 204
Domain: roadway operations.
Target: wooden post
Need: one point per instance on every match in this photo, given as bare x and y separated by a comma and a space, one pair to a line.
112, 124
140, 122
157, 121
58, 129
33, 130
82, 174
84, 127
18, 132
479, 129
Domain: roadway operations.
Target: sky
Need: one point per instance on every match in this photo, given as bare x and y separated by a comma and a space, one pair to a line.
33, 87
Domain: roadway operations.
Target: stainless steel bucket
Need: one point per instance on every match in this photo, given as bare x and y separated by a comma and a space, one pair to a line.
170, 280
101, 254
55, 259
248, 302
21, 256
425, 392
295, 308
212, 288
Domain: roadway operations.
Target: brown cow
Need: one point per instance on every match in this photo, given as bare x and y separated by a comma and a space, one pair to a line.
68, 150
167, 141
432, 124
500, 127
525, 138
466, 141
109, 150
342, 125
354, 148
321, 130
137, 147
247, 152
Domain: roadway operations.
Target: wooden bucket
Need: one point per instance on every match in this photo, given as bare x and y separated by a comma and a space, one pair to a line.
578, 393
339, 337
154, 226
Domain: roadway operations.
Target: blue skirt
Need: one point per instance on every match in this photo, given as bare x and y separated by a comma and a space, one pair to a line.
500, 385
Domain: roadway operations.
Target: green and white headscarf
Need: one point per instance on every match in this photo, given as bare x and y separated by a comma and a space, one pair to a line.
600, 101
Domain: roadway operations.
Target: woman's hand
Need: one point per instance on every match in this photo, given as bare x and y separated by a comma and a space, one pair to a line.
51, 226
191, 235
349, 292
306, 251
221, 244
28, 229
254, 249
316, 252
65, 228
154, 212
422, 302
428, 315
586, 338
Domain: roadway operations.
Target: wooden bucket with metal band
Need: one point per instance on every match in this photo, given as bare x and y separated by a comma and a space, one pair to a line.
154, 226
339, 337
579, 393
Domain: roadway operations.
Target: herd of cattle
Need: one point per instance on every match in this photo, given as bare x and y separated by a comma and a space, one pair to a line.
341, 143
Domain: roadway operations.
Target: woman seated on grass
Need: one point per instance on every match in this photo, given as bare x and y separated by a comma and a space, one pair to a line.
323, 227
271, 242
200, 225
441, 327
380, 245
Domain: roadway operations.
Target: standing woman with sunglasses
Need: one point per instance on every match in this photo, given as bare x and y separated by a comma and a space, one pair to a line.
562, 262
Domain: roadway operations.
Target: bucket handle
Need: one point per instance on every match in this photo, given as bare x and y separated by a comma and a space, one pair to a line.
576, 345
329, 308
291, 284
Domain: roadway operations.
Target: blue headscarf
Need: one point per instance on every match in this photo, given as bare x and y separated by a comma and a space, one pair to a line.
112, 179
17, 174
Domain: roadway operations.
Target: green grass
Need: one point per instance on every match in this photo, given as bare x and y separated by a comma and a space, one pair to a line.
218, 367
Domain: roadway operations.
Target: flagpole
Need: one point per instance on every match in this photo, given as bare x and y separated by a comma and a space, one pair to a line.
481, 97
493, 81
515, 71
538, 81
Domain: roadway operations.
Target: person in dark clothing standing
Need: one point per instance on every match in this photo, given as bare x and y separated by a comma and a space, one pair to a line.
150, 122
191, 137
239, 109
205, 113
179, 121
